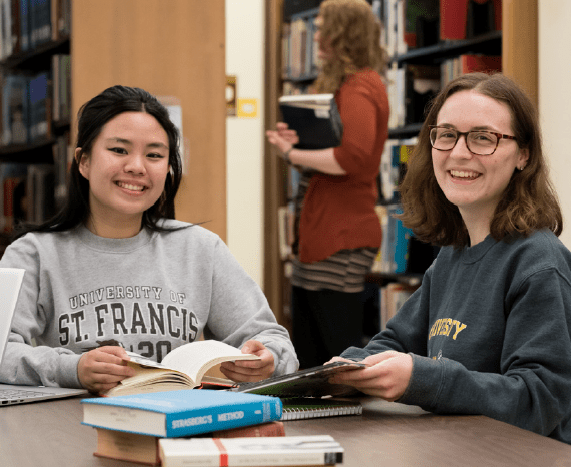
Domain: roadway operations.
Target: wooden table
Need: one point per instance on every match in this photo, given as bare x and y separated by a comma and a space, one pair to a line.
49, 434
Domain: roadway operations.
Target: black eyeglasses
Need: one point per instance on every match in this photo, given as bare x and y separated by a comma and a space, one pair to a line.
479, 142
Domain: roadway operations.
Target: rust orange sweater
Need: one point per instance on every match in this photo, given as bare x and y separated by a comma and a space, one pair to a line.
339, 210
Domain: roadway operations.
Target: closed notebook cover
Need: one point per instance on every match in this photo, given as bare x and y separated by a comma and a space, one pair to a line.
180, 413
312, 382
317, 127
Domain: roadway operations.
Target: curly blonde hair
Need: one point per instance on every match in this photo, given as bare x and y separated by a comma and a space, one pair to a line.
353, 32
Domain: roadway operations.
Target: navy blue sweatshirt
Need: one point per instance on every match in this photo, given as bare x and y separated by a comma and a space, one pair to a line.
489, 333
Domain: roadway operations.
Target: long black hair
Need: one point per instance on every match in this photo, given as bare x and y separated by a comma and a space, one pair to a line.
92, 116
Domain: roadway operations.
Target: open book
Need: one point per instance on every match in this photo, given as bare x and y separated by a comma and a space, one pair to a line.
315, 118
183, 368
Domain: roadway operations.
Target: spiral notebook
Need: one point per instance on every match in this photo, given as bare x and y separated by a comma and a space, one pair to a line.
301, 408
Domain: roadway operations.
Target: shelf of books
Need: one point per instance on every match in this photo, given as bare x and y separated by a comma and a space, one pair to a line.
431, 42
299, 56
35, 103
402, 259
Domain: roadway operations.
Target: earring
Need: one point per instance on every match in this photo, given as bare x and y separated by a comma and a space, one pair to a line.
520, 168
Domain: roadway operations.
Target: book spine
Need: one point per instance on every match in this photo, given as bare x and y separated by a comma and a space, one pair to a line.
222, 418
270, 429
453, 14
40, 112
24, 25
223, 458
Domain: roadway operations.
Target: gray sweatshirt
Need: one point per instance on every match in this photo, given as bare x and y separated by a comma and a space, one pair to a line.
150, 294
490, 333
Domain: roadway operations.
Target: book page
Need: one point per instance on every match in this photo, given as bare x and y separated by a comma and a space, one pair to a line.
151, 380
318, 102
149, 375
295, 98
197, 357
144, 361
317, 106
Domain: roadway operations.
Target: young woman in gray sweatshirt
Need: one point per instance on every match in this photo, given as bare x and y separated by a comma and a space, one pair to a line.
113, 267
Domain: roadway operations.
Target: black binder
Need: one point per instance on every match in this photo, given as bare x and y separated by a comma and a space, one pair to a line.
315, 118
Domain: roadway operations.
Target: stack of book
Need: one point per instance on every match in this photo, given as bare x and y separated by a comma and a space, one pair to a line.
133, 426
188, 427
144, 449
128, 426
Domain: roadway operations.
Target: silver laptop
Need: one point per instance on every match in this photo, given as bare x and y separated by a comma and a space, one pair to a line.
10, 283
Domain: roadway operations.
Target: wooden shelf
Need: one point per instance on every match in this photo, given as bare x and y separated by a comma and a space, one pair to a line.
301, 79
39, 152
38, 58
301, 11
403, 132
488, 44
412, 280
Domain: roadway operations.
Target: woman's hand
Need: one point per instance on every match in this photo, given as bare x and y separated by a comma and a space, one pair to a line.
101, 369
282, 137
387, 375
250, 370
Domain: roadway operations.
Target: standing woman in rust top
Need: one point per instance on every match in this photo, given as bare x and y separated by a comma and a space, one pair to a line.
338, 231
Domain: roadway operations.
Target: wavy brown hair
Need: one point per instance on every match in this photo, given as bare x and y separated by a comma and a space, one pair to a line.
529, 202
353, 32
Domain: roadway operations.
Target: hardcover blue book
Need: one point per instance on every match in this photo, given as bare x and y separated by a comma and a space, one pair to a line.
180, 413
402, 236
24, 25
39, 25
395, 171
39, 103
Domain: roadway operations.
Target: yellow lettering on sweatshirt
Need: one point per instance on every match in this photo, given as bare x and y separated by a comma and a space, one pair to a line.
444, 326
459, 327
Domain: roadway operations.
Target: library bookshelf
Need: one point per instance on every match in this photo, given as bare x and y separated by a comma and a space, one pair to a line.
174, 52
515, 41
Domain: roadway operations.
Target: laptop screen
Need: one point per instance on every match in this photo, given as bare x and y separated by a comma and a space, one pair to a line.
10, 283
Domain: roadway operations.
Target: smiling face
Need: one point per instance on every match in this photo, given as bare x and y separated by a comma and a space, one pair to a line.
126, 169
474, 183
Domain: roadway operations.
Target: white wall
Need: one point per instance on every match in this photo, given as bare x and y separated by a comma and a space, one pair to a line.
245, 21
554, 31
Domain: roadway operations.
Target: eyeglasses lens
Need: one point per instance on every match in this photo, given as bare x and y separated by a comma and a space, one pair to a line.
478, 142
